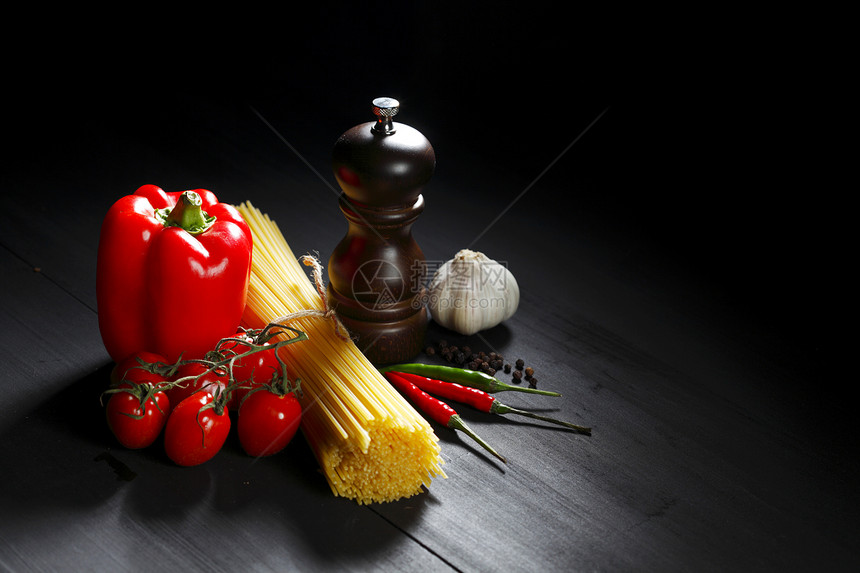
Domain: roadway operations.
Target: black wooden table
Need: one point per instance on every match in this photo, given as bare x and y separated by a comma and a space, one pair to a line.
669, 307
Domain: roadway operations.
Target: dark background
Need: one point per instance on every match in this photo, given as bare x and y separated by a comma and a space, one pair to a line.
662, 185
712, 156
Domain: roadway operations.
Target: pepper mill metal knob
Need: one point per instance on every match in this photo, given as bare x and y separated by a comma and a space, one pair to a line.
377, 271
385, 108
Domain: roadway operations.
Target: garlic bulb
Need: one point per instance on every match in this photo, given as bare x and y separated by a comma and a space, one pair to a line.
472, 292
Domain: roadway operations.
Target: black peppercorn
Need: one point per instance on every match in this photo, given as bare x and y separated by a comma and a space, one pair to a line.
487, 362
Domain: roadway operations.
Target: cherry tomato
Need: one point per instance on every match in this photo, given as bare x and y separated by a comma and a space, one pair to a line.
251, 371
202, 380
268, 420
196, 430
129, 368
136, 413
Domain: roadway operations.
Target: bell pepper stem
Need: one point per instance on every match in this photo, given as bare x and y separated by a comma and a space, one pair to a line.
187, 214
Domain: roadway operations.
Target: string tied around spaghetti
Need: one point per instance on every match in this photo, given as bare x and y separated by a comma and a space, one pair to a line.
328, 313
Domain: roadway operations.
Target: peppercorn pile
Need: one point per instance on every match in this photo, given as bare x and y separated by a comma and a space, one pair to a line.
489, 363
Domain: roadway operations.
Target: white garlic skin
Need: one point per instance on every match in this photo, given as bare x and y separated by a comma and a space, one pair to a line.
472, 292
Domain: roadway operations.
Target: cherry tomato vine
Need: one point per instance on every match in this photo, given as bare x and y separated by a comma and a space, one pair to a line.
143, 382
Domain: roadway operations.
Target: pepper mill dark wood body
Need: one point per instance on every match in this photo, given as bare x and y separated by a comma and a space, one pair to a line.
377, 272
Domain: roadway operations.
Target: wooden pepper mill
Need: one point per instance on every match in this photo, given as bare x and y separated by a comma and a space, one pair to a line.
377, 272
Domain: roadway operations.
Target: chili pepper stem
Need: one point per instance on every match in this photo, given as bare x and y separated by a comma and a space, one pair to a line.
499, 408
457, 423
500, 386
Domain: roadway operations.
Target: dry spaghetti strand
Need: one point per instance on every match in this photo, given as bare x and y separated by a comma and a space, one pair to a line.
371, 444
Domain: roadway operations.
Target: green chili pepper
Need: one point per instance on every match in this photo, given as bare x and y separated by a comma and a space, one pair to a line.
470, 378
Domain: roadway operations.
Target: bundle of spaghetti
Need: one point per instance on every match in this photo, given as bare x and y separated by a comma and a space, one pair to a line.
371, 444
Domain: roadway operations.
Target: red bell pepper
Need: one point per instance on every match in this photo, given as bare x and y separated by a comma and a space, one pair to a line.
172, 274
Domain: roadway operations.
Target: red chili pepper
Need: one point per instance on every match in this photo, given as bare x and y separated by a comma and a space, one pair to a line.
441, 412
464, 376
478, 399
172, 274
